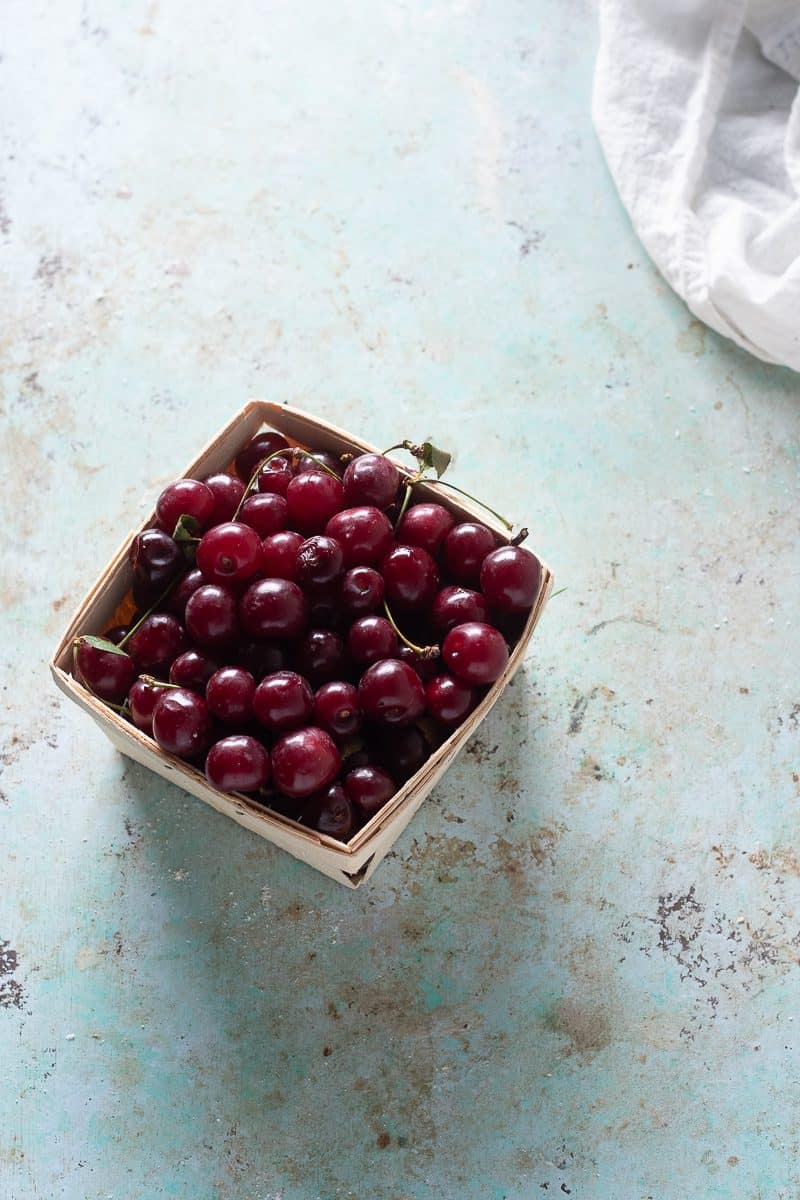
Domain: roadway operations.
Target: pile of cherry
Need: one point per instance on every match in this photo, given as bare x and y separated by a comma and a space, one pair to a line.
304, 634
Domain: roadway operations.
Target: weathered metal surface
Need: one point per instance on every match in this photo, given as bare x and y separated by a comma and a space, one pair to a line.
578, 972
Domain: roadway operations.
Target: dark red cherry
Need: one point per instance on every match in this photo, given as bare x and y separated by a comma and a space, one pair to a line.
324, 611
306, 463
178, 598
319, 561
371, 479
228, 492
156, 643
116, 633
411, 578
313, 498
265, 512
321, 656
181, 723
237, 764
283, 701
184, 497
455, 605
279, 554
510, 579
156, 560
304, 762
107, 673
464, 550
273, 608
476, 653
425, 525
275, 476
391, 692
425, 667
402, 751
229, 695
337, 710
192, 669
260, 658
256, 450
449, 700
211, 616
330, 812
368, 789
370, 639
365, 534
229, 553
361, 593
142, 700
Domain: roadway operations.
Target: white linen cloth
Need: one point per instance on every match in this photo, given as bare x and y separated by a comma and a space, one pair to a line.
697, 107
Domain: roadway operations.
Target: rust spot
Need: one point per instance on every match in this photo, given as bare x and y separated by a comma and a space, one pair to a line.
11, 992
588, 1029
744, 691
383, 1141
327, 1051
359, 1085
781, 861
49, 268
733, 1161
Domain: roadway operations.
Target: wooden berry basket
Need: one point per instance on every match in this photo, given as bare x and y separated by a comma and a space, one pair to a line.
349, 864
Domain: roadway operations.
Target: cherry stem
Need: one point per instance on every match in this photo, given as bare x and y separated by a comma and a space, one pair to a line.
301, 453
146, 614
519, 538
444, 483
425, 652
412, 479
153, 682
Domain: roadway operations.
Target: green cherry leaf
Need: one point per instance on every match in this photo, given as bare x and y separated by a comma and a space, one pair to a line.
187, 529
434, 459
100, 643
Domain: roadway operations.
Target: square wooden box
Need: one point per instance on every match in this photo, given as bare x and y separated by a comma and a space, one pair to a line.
349, 864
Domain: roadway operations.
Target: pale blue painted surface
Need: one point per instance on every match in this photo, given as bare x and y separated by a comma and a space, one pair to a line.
578, 973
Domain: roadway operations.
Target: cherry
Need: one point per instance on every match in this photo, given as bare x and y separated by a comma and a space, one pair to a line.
324, 611
181, 723
321, 655
179, 596
368, 789
319, 561
229, 553
402, 751
510, 579
475, 652
229, 695
283, 701
331, 812
116, 633
156, 560
228, 492
465, 548
365, 534
370, 639
279, 554
411, 577
260, 658
391, 692
275, 476
265, 512
371, 479
256, 450
304, 762
211, 615
448, 699
192, 669
273, 608
142, 700
425, 525
426, 668
107, 673
157, 642
313, 498
306, 462
185, 497
237, 764
455, 605
337, 710
361, 592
